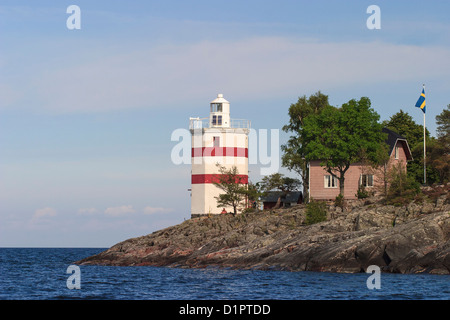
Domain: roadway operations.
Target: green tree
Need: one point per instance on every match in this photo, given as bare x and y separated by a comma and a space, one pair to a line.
278, 181
339, 136
294, 155
381, 166
254, 194
233, 186
402, 188
316, 211
443, 125
415, 167
439, 152
438, 158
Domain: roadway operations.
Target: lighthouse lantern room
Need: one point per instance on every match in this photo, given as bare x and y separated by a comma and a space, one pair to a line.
217, 139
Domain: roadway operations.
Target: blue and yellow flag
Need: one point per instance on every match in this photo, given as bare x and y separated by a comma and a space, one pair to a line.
421, 102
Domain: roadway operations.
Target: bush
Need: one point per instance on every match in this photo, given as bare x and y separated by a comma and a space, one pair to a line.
402, 188
361, 193
248, 210
339, 201
316, 211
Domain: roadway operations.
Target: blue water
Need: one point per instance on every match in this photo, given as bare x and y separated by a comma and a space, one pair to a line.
40, 273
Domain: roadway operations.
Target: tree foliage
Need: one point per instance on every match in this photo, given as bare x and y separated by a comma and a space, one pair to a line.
233, 186
438, 158
443, 125
381, 166
440, 151
316, 211
402, 188
254, 193
294, 154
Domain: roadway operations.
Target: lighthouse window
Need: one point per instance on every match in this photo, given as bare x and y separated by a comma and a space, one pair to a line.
216, 141
216, 120
216, 107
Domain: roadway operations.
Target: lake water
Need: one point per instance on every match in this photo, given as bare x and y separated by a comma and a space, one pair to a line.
41, 274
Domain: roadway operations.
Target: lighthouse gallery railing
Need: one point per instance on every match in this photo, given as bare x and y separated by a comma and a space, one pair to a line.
198, 123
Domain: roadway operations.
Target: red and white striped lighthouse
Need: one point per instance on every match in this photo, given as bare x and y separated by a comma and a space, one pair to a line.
216, 139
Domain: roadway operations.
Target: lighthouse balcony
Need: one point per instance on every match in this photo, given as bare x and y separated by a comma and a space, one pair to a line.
200, 123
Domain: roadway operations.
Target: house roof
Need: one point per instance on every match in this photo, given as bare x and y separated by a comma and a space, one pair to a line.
272, 196
393, 138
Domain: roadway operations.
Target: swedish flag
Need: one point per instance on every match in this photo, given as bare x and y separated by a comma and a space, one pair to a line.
421, 102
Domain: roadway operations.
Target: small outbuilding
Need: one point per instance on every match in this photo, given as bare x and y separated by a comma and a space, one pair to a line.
292, 198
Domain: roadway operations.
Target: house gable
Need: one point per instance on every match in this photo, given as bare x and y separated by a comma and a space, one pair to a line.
394, 140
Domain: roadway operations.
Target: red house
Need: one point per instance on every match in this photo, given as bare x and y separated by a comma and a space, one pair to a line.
323, 186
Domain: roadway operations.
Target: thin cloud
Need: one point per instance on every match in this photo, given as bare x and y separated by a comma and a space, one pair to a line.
153, 210
119, 211
87, 211
44, 212
265, 67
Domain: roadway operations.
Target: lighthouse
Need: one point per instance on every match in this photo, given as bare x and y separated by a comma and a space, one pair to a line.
217, 139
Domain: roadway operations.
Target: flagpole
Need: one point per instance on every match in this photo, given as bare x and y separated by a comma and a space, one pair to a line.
424, 150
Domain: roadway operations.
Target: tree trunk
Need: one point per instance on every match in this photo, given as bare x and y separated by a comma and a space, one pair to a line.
385, 180
341, 191
305, 194
305, 182
341, 179
277, 205
341, 185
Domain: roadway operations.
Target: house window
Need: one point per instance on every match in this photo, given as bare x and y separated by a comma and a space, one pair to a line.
396, 152
366, 180
216, 141
330, 181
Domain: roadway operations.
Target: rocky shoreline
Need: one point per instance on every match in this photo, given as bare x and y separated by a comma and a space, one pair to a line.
410, 239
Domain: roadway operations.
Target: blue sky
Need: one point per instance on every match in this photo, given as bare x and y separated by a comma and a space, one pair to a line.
86, 116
